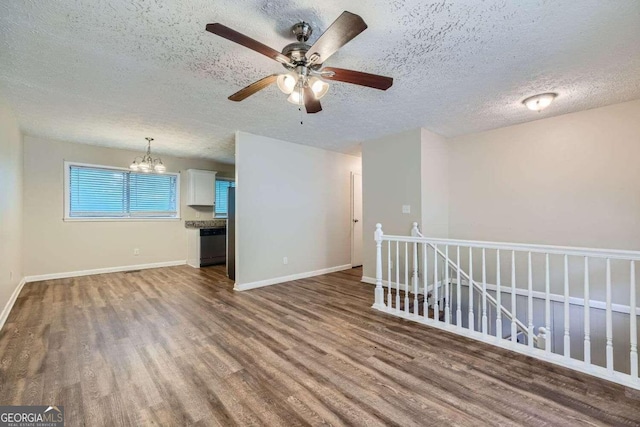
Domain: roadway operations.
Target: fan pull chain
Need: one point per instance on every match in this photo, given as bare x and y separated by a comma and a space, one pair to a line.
300, 109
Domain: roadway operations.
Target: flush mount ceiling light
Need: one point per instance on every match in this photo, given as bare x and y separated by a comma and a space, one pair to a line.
146, 163
304, 79
539, 102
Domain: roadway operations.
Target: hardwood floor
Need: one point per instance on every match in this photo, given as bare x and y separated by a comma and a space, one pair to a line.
177, 346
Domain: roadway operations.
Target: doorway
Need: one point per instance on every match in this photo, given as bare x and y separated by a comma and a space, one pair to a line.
356, 219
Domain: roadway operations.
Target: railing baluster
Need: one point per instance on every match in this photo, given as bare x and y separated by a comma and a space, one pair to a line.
633, 327
567, 337
484, 293
379, 292
415, 278
609, 317
447, 296
389, 283
587, 310
498, 298
514, 327
471, 319
397, 276
425, 276
547, 305
436, 309
530, 301
458, 293
406, 277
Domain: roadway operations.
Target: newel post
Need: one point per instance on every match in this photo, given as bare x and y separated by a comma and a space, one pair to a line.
379, 301
415, 231
414, 271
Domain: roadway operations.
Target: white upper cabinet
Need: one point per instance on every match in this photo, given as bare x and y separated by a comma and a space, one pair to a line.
201, 187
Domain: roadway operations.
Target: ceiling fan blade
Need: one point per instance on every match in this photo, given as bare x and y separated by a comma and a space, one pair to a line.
357, 78
241, 39
342, 31
253, 88
311, 104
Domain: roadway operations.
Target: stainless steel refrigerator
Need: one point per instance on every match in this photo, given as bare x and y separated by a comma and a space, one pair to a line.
231, 234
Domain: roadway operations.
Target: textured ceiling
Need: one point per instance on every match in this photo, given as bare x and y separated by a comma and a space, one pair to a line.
110, 72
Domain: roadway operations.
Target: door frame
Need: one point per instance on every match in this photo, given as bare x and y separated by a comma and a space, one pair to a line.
351, 216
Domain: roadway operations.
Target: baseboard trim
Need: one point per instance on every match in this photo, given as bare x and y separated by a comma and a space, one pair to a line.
12, 300
119, 269
282, 279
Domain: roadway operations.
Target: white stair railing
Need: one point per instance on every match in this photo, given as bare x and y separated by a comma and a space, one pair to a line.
543, 282
486, 298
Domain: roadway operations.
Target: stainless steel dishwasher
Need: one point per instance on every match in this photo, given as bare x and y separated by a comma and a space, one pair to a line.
213, 246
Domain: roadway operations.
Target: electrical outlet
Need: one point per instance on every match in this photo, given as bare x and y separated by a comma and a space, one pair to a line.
285, 260
11, 275
406, 209
391, 264
197, 214
136, 252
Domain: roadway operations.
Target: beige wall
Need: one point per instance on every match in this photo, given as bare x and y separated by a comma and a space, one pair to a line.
11, 272
434, 184
292, 201
52, 245
391, 178
570, 180
566, 180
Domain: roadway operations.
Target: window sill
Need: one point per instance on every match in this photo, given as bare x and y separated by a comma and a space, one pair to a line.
97, 219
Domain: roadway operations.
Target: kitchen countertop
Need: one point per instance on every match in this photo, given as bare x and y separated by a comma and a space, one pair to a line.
209, 223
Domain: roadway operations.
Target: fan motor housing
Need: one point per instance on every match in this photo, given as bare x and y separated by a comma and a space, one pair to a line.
296, 51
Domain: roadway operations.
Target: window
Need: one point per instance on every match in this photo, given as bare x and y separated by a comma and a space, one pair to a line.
222, 193
103, 192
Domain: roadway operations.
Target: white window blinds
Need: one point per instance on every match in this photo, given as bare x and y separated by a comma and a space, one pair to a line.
222, 193
96, 192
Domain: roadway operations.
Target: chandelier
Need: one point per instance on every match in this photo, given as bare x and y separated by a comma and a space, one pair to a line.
146, 163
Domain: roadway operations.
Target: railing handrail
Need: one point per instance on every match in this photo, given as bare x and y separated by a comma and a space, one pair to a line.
523, 328
522, 247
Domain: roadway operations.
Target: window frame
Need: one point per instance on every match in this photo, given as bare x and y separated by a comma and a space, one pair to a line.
67, 197
221, 178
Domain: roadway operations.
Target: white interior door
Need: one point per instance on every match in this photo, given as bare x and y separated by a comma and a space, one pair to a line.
356, 220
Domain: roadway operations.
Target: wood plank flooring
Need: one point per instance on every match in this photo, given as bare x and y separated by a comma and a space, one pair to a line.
177, 346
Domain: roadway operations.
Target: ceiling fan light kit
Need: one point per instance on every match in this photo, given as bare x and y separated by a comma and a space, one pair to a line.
304, 80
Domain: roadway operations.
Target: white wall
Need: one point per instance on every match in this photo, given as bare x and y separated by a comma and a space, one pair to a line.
52, 245
292, 201
391, 178
11, 272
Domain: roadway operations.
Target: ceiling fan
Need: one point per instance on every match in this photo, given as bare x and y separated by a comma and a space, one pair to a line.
304, 79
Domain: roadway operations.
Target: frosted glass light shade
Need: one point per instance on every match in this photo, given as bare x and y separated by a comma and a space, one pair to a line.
318, 87
296, 97
286, 83
539, 102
